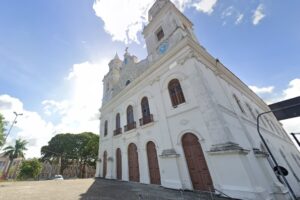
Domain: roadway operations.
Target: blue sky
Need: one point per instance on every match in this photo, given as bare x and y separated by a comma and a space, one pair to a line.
53, 54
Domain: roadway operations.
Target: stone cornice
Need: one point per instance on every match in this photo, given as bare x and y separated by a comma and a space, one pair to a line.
228, 148
260, 153
161, 63
203, 56
226, 74
169, 153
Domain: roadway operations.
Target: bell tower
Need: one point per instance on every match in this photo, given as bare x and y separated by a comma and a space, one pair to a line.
167, 26
111, 79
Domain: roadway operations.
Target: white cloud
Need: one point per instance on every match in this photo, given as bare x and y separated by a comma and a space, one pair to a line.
75, 114
258, 14
123, 20
30, 126
232, 12
81, 111
291, 125
228, 12
182, 4
239, 18
293, 89
262, 90
206, 6
52, 107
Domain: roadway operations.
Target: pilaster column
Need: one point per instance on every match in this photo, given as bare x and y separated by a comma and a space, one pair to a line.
143, 165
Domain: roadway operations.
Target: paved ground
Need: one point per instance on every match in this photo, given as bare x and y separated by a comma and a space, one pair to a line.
91, 189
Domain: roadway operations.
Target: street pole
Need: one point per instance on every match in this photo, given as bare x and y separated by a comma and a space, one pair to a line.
294, 136
11, 126
269, 151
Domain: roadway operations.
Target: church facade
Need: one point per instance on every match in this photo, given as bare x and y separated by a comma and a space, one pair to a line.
181, 119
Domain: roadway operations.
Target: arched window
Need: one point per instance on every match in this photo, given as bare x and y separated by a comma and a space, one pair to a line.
238, 102
147, 116
251, 111
127, 82
176, 93
145, 107
130, 120
107, 87
118, 125
105, 127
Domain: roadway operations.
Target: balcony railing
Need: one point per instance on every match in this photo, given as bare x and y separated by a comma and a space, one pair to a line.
118, 131
130, 126
146, 120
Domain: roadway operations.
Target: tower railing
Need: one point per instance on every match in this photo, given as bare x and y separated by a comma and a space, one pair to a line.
130, 126
118, 131
146, 119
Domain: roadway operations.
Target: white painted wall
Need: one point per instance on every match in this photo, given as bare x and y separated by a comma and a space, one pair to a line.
210, 112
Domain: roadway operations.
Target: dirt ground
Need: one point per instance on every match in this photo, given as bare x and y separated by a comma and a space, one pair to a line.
92, 189
52, 189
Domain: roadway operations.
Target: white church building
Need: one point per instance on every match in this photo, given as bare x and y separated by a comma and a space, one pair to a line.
182, 120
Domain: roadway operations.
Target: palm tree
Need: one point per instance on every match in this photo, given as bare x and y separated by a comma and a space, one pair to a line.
15, 152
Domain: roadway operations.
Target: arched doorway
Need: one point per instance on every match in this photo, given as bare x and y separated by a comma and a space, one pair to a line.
153, 164
104, 164
119, 164
197, 166
133, 163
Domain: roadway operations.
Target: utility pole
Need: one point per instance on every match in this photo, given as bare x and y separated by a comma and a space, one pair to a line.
269, 151
11, 126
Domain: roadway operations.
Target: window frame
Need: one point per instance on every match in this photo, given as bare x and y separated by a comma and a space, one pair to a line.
160, 34
238, 102
118, 121
145, 107
251, 111
105, 128
130, 114
176, 93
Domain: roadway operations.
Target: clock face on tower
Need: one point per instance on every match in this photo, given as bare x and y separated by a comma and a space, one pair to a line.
163, 47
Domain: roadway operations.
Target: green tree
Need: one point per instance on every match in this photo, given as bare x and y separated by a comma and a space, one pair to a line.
60, 149
15, 151
30, 169
69, 148
2, 129
88, 145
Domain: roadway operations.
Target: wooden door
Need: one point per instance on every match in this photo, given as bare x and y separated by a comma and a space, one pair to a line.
104, 164
133, 163
197, 166
153, 164
119, 164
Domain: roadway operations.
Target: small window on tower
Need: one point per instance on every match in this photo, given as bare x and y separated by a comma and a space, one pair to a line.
185, 27
107, 87
160, 34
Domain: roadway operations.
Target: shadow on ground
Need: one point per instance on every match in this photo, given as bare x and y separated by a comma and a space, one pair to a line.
119, 190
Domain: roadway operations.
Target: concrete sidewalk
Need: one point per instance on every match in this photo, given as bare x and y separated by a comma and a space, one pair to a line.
112, 189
